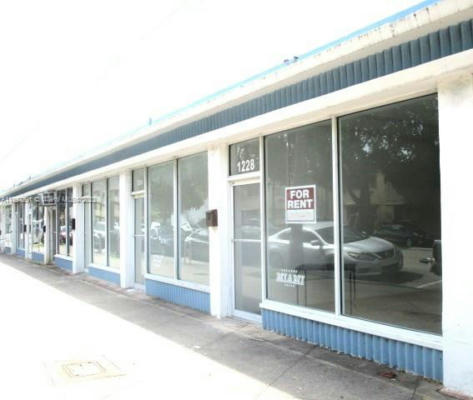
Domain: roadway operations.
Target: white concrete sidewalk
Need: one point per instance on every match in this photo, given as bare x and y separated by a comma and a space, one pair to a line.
157, 350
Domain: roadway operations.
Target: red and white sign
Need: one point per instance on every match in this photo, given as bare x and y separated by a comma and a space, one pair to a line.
300, 205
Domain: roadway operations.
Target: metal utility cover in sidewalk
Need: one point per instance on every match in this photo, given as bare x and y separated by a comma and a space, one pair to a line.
71, 371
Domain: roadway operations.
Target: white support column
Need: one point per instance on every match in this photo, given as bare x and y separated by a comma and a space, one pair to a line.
2, 228
127, 276
78, 250
27, 220
14, 228
456, 164
47, 236
220, 265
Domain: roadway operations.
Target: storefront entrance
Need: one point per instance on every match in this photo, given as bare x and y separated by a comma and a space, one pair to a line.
247, 250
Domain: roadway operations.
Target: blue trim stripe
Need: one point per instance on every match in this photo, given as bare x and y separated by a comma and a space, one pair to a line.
179, 295
38, 257
109, 276
63, 263
20, 252
408, 357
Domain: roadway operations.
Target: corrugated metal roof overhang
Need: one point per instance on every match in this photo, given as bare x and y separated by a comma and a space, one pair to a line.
442, 43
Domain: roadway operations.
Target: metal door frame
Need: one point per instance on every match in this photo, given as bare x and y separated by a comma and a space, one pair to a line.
242, 182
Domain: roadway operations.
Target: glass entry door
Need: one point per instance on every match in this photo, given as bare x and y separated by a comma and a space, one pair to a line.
247, 247
139, 235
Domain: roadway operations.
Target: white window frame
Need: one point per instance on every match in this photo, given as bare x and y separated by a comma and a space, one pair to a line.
176, 281
107, 266
58, 230
337, 318
241, 180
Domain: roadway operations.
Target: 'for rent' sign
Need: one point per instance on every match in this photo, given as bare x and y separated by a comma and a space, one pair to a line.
300, 205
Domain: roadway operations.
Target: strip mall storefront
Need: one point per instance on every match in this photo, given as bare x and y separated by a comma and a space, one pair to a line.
320, 205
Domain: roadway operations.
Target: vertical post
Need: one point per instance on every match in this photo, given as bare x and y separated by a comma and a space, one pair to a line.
14, 228
220, 270
126, 231
27, 220
78, 249
47, 235
455, 121
337, 217
262, 191
2, 228
146, 211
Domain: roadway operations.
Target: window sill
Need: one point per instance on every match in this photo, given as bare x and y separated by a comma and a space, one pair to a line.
103, 268
244, 176
63, 257
171, 281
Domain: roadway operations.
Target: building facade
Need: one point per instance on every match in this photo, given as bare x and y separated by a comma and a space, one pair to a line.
321, 200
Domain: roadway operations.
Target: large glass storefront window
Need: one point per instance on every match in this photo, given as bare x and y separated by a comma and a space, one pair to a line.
299, 216
114, 222
391, 214
182, 254
99, 223
8, 226
21, 225
162, 226
70, 214
62, 227
193, 204
86, 198
37, 229
102, 222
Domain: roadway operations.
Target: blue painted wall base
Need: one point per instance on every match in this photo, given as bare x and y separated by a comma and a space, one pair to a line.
408, 357
38, 257
109, 276
179, 295
20, 252
63, 263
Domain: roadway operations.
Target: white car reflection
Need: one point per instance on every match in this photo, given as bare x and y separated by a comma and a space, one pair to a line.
310, 247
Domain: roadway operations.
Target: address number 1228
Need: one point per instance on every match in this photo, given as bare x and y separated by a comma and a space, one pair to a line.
246, 165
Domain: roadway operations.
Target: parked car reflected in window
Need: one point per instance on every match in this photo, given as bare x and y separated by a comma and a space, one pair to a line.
300, 256
196, 245
362, 254
99, 236
99, 227
161, 217
193, 231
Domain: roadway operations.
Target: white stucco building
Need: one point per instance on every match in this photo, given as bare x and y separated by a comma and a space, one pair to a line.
373, 131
